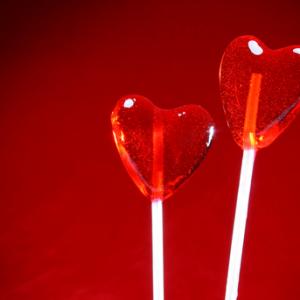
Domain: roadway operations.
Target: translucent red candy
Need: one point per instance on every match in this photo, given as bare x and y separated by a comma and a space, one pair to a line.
160, 148
260, 90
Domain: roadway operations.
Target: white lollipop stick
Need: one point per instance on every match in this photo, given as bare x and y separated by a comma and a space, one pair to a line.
242, 203
157, 250
157, 211
239, 225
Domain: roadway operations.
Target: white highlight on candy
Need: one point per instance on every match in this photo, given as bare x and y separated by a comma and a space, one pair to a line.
239, 225
157, 249
296, 50
128, 103
211, 133
255, 48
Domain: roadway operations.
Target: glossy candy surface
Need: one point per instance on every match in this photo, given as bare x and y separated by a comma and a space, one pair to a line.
260, 90
160, 148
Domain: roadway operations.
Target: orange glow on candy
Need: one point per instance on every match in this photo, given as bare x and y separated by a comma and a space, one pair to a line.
160, 148
260, 90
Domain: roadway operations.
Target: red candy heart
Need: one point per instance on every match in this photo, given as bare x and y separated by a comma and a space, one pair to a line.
260, 90
160, 148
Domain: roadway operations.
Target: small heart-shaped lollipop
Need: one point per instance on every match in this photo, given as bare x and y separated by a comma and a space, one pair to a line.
160, 148
260, 90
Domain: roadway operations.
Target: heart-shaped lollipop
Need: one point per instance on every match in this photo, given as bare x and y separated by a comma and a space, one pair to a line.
160, 148
260, 90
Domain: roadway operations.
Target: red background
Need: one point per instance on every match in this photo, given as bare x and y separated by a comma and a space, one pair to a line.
72, 224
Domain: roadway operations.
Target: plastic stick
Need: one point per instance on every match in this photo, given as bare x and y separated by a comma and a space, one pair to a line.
157, 250
239, 225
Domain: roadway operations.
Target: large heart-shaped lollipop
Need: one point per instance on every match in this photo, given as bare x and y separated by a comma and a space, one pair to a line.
260, 90
160, 148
